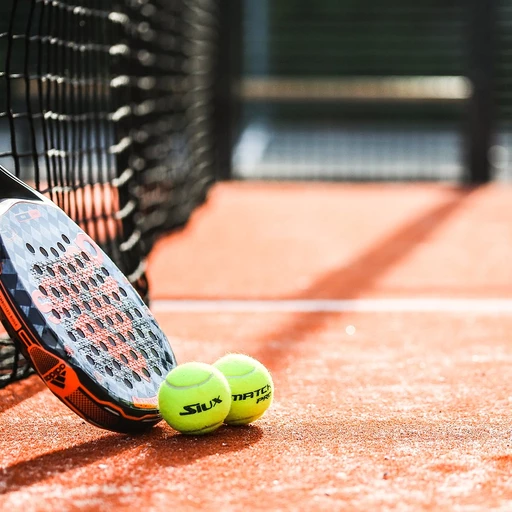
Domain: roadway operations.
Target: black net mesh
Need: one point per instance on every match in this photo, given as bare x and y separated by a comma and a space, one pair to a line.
106, 108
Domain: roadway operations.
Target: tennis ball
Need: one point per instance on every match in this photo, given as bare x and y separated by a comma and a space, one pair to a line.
251, 386
194, 398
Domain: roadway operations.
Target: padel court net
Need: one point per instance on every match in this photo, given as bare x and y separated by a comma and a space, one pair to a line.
106, 108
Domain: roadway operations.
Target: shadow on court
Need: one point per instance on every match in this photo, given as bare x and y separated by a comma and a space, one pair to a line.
14, 394
164, 447
358, 278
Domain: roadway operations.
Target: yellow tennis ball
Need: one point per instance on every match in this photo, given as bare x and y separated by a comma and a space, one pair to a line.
194, 398
252, 388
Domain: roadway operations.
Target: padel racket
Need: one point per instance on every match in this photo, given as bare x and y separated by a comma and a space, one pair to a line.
84, 328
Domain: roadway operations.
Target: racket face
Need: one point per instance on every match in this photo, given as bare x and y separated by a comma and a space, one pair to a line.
85, 329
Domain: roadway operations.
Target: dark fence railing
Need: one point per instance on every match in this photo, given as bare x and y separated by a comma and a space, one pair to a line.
393, 76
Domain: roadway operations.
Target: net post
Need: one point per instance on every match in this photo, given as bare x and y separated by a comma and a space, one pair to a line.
481, 67
227, 86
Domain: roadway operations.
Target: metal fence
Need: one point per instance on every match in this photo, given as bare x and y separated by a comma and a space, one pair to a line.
369, 90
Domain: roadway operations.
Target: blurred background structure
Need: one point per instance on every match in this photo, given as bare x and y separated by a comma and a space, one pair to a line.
333, 89
369, 90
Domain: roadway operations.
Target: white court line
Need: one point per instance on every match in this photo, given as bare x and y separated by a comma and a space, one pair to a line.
413, 305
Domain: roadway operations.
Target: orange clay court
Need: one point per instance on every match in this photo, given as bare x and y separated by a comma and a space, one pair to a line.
384, 313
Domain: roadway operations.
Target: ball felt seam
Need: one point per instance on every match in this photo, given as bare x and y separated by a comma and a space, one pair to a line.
190, 386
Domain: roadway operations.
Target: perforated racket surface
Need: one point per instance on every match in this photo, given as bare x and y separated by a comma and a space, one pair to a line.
78, 320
